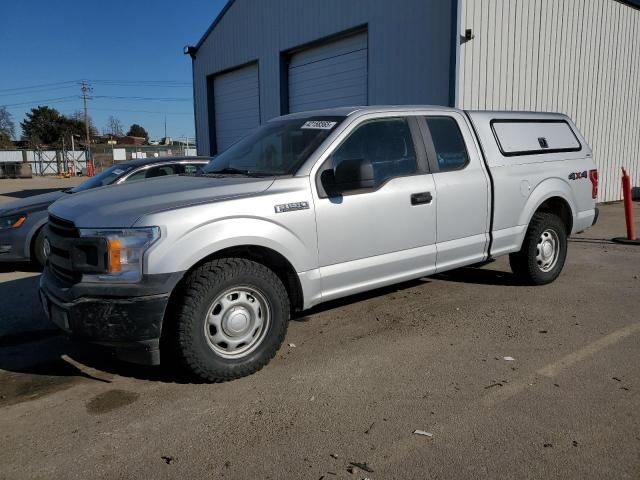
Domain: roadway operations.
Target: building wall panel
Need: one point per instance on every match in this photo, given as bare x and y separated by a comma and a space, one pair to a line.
409, 48
570, 56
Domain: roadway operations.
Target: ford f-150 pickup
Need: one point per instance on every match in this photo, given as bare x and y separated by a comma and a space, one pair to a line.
206, 269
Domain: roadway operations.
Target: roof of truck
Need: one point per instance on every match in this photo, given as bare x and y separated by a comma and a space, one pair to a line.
346, 111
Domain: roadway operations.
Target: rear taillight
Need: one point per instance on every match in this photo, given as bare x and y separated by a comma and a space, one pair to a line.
593, 176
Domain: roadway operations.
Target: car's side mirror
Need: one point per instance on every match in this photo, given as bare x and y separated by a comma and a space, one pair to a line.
354, 174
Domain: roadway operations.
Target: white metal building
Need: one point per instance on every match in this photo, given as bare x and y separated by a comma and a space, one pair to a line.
579, 57
264, 58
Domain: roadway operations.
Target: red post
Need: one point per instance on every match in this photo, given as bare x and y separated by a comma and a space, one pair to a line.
628, 205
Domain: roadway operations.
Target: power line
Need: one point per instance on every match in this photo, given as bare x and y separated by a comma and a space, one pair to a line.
159, 83
124, 83
15, 94
37, 86
116, 110
155, 99
40, 102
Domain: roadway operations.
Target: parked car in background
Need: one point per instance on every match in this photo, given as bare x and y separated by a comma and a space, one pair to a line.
309, 208
21, 222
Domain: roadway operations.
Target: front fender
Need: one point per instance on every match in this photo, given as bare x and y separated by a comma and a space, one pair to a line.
181, 252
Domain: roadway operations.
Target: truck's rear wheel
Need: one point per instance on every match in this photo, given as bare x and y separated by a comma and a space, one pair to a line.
543, 252
232, 320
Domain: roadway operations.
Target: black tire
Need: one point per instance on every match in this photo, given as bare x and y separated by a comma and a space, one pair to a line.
525, 264
37, 251
201, 289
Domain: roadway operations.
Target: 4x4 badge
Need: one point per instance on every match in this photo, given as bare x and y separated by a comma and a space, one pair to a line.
290, 207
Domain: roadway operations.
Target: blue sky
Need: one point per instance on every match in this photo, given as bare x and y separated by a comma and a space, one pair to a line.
132, 42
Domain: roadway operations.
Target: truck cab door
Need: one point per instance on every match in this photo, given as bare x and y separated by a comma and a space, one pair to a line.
462, 186
375, 236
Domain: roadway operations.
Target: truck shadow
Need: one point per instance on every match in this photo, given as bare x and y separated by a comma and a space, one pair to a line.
9, 267
42, 362
29, 192
480, 276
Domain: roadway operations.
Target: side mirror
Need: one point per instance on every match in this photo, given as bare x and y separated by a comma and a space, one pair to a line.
354, 174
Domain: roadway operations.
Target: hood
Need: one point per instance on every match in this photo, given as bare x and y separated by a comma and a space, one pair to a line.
34, 203
122, 205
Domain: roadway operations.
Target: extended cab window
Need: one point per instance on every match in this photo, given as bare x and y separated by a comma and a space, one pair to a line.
387, 144
450, 149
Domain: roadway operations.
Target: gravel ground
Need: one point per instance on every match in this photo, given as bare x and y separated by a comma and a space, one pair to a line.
353, 381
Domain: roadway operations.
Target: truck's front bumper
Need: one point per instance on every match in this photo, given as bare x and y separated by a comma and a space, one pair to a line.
127, 317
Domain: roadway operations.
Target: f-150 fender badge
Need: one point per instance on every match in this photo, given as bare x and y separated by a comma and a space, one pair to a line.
290, 207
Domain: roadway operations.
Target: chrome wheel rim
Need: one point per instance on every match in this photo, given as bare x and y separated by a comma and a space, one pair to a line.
237, 322
548, 250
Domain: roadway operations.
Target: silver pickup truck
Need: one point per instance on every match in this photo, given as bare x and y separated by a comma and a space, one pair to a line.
207, 269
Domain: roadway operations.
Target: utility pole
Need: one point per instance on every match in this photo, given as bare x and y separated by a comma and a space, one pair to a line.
86, 88
165, 128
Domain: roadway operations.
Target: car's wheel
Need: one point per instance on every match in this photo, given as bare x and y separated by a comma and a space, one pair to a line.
232, 320
39, 256
543, 251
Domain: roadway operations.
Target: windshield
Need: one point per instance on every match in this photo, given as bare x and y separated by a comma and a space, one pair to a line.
107, 177
277, 148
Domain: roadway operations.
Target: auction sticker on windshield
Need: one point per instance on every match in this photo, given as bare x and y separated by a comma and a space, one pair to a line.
319, 125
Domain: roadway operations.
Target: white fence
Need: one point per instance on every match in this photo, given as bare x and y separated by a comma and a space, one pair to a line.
47, 162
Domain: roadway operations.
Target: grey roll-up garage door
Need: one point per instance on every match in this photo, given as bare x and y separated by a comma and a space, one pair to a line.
237, 105
329, 75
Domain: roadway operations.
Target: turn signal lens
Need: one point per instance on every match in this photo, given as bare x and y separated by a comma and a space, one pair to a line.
20, 221
114, 251
14, 221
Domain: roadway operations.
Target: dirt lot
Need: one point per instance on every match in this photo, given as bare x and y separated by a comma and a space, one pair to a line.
352, 382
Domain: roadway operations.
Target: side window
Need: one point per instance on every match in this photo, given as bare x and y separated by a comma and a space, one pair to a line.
387, 144
451, 151
153, 172
190, 169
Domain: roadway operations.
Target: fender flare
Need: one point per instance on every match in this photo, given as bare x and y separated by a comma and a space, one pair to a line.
549, 188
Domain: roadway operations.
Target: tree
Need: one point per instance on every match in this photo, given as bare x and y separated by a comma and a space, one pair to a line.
5, 140
78, 116
114, 127
42, 125
138, 131
7, 127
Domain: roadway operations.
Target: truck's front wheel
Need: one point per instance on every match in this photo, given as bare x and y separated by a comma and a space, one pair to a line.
543, 252
232, 320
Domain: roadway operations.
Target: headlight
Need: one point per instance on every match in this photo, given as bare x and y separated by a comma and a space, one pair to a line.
14, 221
125, 249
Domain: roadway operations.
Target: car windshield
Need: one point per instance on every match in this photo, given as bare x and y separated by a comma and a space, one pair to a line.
277, 148
107, 177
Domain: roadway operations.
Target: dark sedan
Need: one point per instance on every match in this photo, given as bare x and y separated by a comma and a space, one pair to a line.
21, 222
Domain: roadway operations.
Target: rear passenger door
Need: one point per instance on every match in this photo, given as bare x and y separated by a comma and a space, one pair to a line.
462, 188
385, 234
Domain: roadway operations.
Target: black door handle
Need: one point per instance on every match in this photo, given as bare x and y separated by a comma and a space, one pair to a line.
421, 198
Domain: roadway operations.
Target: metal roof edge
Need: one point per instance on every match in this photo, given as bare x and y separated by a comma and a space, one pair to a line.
214, 24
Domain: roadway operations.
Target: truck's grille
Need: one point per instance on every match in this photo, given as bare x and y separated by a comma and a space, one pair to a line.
61, 234
63, 228
71, 256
